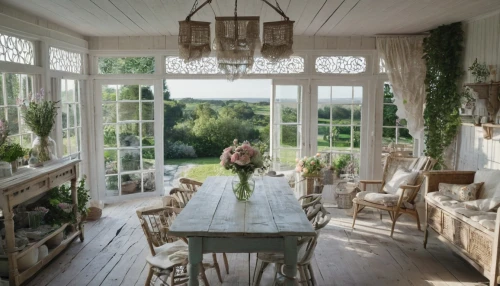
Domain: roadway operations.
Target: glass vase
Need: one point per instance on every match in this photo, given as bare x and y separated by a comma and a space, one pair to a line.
45, 148
243, 186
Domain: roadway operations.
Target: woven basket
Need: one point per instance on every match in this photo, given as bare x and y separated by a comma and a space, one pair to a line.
94, 213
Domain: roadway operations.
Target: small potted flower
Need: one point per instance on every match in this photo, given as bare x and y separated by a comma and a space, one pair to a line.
311, 169
11, 152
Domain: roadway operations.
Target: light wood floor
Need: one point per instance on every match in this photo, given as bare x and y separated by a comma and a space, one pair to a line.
114, 252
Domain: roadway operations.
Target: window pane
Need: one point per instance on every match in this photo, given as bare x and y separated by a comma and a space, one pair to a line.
324, 99
109, 92
148, 158
289, 136
16, 50
129, 135
64, 115
13, 120
356, 140
130, 65
288, 113
110, 161
1, 90
26, 141
324, 137
340, 64
70, 91
112, 186
284, 159
130, 160
148, 111
110, 136
131, 183
72, 141
128, 111
62, 60
129, 92
66, 143
341, 114
148, 182
147, 92
109, 113
148, 134
341, 137
389, 115
12, 88
71, 113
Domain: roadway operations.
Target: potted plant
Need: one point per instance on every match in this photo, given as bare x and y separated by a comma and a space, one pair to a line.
11, 152
340, 163
479, 71
40, 116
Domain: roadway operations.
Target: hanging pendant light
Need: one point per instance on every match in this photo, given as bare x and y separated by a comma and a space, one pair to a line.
194, 36
235, 42
277, 37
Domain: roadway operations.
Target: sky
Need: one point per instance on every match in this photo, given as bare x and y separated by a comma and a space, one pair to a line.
211, 88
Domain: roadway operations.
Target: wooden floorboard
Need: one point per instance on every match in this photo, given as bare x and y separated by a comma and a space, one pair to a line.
114, 251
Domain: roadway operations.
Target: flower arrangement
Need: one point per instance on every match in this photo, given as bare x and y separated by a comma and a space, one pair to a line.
310, 166
242, 160
40, 116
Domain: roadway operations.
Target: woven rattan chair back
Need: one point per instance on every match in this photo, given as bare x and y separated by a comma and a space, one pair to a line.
189, 184
155, 222
181, 197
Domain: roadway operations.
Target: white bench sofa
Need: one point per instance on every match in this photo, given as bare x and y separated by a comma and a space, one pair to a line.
473, 234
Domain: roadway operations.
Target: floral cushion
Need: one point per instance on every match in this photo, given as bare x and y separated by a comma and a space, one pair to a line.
461, 193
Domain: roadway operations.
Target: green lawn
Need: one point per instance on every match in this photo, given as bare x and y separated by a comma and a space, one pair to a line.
205, 167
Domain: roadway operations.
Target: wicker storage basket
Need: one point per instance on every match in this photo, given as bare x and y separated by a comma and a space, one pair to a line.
94, 213
344, 194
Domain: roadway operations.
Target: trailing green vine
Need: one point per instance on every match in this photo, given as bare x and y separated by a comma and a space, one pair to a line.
442, 53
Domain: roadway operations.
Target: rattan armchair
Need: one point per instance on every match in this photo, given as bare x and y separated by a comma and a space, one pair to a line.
406, 200
189, 184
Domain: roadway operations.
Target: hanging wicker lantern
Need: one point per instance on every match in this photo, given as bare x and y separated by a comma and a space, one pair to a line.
277, 40
235, 42
194, 40
194, 36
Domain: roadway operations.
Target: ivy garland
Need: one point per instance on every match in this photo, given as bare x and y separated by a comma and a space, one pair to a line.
442, 53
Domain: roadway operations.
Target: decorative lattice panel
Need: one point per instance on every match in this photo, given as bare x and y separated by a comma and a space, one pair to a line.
61, 60
340, 64
16, 50
175, 65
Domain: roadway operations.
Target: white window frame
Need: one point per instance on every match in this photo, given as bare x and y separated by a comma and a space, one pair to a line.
158, 129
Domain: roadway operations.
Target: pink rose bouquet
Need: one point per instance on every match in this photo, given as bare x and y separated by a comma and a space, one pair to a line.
242, 160
309, 166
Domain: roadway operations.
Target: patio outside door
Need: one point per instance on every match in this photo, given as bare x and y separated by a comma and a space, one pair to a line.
338, 125
129, 145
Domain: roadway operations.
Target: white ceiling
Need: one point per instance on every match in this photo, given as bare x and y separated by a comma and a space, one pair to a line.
312, 17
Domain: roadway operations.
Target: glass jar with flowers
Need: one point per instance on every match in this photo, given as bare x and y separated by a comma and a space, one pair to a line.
40, 116
311, 169
242, 160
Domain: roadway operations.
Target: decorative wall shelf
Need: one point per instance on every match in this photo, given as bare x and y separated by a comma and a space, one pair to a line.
488, 91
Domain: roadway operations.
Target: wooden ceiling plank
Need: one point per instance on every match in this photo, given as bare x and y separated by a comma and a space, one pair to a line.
128, 11
147, 14
344, 9
114, 12
295, 9
226, 7
59, 15
329, 10
311, 10
268, 13
253, 8
115, 26
160, 11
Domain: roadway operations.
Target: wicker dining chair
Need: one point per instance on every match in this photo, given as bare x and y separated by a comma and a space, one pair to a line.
306, 247
169, 254
311, 204
179, 198
189, 184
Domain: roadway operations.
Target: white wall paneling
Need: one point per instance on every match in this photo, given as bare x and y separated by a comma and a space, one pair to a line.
482, 41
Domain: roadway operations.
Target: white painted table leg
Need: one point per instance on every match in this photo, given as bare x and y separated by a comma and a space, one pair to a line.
195, 258
290, 267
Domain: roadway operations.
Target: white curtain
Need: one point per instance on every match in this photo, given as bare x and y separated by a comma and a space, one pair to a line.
406, 70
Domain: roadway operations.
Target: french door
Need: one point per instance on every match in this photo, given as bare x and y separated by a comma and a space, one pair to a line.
288, 137
129, 138
338, 124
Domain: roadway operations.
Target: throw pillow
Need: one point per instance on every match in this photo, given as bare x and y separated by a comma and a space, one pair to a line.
402, 176
461, 193
484, 205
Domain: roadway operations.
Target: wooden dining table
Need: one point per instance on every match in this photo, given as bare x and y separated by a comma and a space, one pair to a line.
214, 221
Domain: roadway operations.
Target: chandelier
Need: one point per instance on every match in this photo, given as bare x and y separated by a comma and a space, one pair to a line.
235, 40
277, 37
194, 36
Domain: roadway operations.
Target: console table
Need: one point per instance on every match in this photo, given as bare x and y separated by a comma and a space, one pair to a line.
28, 183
